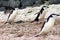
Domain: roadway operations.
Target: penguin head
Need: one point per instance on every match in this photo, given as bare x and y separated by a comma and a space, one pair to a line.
45, 7
52, 16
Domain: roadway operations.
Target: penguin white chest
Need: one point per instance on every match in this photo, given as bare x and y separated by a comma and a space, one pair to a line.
48, 26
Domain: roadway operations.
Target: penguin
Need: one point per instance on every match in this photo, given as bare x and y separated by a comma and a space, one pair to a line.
12, 15
39, 13
9, 16
48, 24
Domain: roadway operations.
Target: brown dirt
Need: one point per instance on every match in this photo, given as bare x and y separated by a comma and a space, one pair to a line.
27, 30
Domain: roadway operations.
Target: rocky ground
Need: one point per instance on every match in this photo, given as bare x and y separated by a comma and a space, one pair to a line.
27, 30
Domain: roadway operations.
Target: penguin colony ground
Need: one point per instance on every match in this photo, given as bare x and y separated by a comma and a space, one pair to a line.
47, 25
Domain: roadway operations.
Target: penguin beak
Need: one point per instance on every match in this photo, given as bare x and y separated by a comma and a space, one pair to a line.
58, 15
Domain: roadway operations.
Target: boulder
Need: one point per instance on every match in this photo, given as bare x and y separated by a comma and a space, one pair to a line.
54, 1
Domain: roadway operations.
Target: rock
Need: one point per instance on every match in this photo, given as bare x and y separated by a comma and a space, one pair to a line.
54, 1
2, 9
30, 2
10, 3
24, 3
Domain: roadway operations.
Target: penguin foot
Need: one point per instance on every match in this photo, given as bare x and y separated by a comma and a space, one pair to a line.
36, 35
